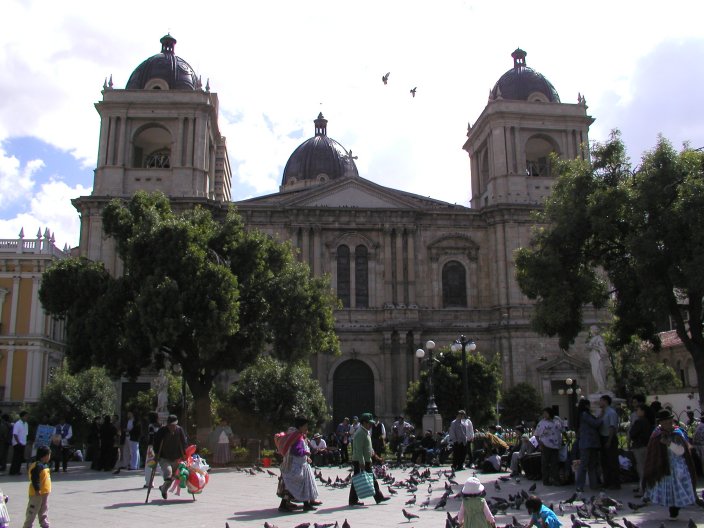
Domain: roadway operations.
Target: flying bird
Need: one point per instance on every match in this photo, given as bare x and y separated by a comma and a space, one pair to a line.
385, 78
413, 91
409, 515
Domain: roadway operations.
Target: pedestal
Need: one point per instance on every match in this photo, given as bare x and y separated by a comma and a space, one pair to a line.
432, 422
162, 417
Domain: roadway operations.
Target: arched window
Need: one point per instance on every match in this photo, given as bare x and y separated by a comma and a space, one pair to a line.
343, 275
454, 285
538, 152
152, 148
361, 277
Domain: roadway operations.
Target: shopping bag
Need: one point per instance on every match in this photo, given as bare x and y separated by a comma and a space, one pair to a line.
363, 484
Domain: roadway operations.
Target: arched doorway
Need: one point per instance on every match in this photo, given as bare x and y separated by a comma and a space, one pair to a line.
352, 390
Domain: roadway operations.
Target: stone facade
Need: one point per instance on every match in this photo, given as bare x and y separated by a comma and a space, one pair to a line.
406, 268
31, 343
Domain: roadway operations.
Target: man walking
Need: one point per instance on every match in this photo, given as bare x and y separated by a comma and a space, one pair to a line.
461, 432
19, 441
609, 444
343, 439
362, 459
170, 443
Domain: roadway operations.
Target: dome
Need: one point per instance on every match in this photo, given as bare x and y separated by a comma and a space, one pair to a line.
523, 83
318, 160
164, 71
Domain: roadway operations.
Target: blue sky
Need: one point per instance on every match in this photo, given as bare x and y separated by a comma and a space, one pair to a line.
639, 66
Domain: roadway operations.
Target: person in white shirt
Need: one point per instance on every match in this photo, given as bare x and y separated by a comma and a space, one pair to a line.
65, 431
549, 434
461, 434
319, 450
19, 441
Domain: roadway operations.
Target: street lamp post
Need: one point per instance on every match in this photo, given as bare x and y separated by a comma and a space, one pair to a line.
178, 370
432, 420
432, 408
465, 345
574, 392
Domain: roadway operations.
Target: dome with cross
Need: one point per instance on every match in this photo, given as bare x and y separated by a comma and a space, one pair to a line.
318, 160
524, 83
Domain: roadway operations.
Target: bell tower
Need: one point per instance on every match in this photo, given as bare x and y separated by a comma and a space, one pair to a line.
159, 133
522, 125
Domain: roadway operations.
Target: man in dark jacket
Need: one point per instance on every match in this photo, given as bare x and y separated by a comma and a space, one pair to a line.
170, 444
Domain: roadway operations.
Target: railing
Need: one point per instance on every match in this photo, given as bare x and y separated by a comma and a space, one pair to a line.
41, 245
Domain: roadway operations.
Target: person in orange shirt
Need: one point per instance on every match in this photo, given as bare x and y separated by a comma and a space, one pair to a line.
39, 489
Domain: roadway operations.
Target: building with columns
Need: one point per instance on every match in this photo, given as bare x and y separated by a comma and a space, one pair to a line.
406, 268
31, 343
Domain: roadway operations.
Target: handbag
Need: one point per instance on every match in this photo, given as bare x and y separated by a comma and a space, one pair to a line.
363, 483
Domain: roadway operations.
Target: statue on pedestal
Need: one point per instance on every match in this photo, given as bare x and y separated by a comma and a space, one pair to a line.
598, 357
161, 385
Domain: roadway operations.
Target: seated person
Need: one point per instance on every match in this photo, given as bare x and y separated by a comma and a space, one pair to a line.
526, 449
496, 441
480, 449
404, 442
497, 430
319, 450
443, 446
334, 454
492, 463
429, 448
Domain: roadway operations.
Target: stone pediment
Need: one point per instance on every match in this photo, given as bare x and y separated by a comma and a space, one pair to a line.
564, 363
353, 194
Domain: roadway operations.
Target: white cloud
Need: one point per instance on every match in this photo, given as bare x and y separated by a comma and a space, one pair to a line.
16, 181
276, 64
51, 208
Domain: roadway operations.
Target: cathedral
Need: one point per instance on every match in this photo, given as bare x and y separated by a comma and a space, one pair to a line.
406, 268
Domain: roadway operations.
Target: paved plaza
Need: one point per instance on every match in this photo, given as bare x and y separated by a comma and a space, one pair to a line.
83, 498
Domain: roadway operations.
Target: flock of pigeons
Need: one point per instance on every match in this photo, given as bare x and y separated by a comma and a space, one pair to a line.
586, 512
385, 80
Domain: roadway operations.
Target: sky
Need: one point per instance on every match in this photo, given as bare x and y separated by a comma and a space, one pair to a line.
276, 64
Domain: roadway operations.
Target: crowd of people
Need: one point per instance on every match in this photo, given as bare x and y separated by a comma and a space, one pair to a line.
659, 455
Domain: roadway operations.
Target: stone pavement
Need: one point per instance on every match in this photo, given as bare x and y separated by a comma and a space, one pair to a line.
83, 498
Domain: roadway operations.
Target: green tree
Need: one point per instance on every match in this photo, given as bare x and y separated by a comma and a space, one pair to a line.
484, 380
638, 370
203, 293
79, 398
520, 402
635, 237
271, 393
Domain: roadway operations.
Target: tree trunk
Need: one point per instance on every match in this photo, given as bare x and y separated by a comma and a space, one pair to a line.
698, 357
201, 410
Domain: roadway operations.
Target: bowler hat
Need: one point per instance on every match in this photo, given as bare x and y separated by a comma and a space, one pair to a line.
367, 417
664, 414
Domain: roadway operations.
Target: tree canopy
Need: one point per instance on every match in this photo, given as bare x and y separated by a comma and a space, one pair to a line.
484, 381
201, 292
522, 402
271, 393
79, 398
632, 238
